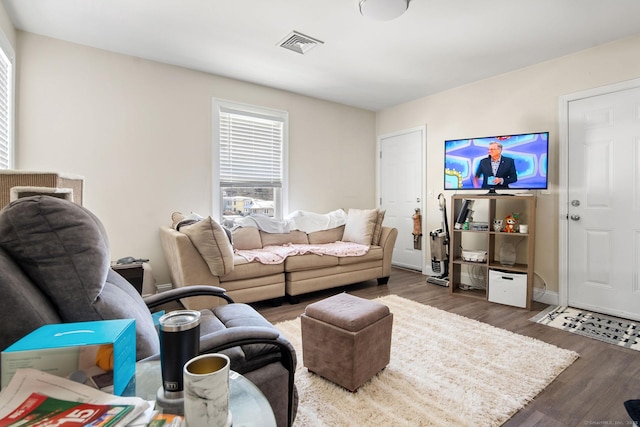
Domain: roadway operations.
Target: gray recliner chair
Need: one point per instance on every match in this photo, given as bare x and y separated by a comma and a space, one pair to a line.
55, 268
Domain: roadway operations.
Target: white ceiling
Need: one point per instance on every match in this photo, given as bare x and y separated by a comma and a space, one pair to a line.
434, 46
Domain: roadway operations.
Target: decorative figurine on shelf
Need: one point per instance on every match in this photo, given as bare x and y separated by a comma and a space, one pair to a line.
511, 223
497, 225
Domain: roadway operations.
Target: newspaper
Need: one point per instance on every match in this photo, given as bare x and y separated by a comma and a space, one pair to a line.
28, 381
40, 410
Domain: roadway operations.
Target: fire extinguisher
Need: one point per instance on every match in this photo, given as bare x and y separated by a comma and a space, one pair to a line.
417, 229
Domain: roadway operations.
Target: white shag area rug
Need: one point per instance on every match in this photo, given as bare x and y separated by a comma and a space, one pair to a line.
445, 370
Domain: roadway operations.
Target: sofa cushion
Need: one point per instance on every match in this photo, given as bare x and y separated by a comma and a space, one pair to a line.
360, 225
179, 220
310, 262
326, 236
375, 253
244, 269
255, 355
245, 238
279, 239
377, 229
212, 243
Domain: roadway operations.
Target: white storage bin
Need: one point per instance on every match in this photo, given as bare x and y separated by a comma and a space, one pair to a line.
508, 288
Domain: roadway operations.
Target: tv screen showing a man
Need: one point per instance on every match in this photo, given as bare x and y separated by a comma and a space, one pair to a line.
515, 162
497, 171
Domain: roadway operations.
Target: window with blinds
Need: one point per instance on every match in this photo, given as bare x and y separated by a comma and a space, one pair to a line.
6, 103
251, 145
250, 150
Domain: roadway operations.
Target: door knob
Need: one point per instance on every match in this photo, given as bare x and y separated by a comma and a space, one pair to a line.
575, 217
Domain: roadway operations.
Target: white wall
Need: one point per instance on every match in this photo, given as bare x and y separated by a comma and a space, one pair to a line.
517, 102
6, 26
140, 133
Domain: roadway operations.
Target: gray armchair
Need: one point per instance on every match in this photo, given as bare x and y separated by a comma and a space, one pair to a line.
55, 267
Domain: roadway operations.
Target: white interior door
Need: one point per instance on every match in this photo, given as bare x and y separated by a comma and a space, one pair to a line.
401, 174
603, 258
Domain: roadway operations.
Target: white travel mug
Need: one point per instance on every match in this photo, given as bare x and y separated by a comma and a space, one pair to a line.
206, 391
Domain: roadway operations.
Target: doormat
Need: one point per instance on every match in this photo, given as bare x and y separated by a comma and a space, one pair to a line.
613, 330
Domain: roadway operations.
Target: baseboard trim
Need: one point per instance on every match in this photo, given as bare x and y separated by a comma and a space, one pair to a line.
545, 296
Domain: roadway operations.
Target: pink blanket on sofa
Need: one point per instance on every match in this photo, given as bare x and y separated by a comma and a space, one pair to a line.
277, 254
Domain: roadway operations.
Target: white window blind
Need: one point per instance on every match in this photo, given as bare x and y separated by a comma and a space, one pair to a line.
6, 107
251, 148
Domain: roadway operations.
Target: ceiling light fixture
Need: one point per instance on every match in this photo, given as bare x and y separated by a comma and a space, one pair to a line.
383, 10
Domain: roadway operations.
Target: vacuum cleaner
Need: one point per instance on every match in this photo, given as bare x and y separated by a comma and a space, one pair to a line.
439, 244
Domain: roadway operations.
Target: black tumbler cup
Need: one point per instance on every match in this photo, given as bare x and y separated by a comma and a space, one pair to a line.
179, 343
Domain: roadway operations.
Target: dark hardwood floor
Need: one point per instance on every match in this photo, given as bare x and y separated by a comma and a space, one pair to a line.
590, 392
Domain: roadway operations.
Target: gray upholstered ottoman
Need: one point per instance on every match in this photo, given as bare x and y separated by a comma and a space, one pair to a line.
346, 339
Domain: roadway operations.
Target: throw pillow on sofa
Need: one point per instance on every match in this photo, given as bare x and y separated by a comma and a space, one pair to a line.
360, 226
377, 230
179, 220
211, 241
326, 236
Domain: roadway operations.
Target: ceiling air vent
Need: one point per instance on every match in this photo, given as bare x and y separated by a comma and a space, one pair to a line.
299, 42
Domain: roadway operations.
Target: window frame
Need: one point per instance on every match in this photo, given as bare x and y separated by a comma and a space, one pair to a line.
9, 53
281, 203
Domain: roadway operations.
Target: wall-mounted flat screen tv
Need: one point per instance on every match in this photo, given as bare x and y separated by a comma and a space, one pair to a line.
519, 162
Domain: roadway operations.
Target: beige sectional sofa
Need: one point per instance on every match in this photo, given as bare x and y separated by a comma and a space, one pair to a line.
202, 254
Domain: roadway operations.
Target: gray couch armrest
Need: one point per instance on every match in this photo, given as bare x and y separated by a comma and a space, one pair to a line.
247, 335
153, 301
231, 336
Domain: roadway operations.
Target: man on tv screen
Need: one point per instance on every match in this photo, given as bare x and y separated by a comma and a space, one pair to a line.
497, 170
